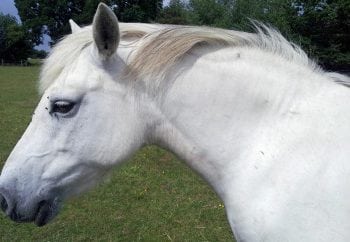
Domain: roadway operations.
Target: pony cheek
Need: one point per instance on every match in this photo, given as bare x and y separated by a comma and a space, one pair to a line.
70, 178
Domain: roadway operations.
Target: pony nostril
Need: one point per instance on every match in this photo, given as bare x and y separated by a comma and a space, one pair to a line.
3, 203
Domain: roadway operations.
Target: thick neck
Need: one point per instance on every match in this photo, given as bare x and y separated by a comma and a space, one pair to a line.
212, 118
245, 132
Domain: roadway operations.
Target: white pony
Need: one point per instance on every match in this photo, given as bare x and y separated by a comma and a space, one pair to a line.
267, 128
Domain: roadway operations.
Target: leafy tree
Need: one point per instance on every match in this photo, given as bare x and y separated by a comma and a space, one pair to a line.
14, 44
321, 27
211, 12
137, 10
51, 17
324, 26
38, 54
274, 12
175, 13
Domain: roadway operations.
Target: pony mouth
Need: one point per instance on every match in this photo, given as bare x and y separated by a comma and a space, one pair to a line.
46, 211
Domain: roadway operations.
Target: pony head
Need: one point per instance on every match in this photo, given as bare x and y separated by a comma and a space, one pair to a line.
85, 122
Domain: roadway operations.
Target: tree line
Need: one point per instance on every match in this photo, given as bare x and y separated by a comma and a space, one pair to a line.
321, 27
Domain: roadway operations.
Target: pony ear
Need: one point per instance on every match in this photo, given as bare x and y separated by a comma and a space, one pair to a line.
105, 30
74, 27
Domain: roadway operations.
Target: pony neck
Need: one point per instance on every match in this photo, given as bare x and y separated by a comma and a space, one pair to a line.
211, 114
236, 121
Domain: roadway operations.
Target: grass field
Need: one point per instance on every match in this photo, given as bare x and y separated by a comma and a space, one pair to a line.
153, 197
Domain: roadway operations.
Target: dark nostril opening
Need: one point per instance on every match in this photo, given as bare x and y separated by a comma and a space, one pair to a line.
3, 203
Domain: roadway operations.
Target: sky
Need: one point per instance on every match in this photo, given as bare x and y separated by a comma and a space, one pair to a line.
8, 7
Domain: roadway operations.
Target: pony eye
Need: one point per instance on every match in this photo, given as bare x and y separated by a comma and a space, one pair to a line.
62, 107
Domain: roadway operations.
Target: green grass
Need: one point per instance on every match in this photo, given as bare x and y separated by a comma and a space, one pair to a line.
153, 197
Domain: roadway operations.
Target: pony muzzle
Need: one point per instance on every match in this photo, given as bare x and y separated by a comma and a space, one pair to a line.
43, 212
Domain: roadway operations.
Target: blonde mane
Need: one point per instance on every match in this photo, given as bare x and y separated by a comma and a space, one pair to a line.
161, 46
